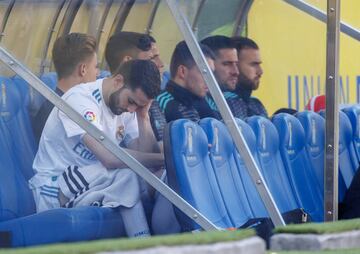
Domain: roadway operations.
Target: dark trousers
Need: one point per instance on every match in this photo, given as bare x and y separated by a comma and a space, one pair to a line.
350, 207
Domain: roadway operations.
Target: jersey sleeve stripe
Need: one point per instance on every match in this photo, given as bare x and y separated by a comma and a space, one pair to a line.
81, 177
68, 183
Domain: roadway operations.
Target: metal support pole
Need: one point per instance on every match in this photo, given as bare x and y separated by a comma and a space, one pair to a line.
197, 16
69, 17
119, 21
104, 16
45, 63
241, 17
332, 112
102, 138
148, 29
6, 18
226, 114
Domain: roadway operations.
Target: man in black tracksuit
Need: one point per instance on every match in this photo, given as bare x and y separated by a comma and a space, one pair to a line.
250, 72
185, 94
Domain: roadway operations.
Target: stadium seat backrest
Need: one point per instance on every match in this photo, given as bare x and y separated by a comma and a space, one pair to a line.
348, 162
297, 164
353, 113
165, 79
223, 162
16, 200
103, 74
33, 98
314, 127
256, 204
273, 169
50, 79
190, 174
19, 127
23, 88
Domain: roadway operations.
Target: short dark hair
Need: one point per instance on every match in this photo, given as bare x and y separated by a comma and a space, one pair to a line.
290, 111
218, 42
141, 74
183, 56
71, 49
244, 43
125, 43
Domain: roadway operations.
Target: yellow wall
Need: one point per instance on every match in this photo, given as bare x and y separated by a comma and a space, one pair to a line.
26, 32
293, 44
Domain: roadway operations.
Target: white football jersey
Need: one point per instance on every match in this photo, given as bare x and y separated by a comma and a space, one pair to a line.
61, 141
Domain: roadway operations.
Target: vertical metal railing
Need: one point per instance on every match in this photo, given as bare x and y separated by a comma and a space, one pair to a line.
226, 114
332, 112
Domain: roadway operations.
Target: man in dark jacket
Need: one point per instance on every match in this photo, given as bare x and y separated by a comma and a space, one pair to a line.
240, 100
185, 94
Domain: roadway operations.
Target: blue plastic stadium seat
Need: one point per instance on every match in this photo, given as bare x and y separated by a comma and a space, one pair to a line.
271, 163
256, 204
50, 79
23, 88
191, 175
227, 175
16, 200
348, 162
165, 79
16, 128
17, 207
297, 164
353, 113
33, 98
314, 127
103, 74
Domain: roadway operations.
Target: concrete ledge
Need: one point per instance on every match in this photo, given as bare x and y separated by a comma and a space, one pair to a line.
344, 240
253, 245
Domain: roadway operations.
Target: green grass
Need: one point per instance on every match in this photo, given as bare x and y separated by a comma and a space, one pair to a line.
321, 228
132, 244
353, 251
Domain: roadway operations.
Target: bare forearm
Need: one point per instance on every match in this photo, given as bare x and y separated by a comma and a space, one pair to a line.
146, 142
110, 161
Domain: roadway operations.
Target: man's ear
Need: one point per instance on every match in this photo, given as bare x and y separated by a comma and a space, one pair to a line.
181, 71
119, 80
82, 69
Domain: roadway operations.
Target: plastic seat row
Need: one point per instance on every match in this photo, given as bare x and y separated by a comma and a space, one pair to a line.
235, 200
215, 180
348, 158
289, 151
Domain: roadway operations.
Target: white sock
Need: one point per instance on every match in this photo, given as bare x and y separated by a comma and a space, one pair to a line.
135, 220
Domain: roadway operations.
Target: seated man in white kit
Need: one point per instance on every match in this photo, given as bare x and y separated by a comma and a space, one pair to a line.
73, 169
